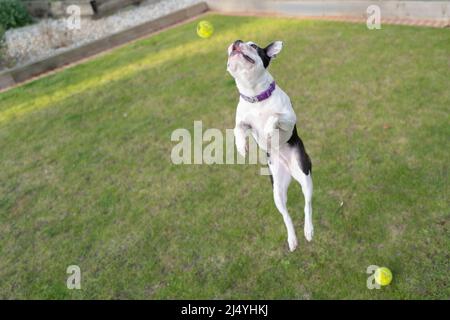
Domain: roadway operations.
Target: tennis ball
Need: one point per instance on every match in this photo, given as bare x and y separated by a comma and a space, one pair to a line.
383, 276
205, 29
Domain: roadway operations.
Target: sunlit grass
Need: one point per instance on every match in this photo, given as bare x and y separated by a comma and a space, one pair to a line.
144, 63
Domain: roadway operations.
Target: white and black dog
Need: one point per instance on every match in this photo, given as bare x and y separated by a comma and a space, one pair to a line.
266, 112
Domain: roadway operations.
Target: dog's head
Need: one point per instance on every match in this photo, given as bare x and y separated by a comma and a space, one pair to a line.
247, 61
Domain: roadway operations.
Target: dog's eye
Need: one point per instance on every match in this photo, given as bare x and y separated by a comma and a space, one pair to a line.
254, 46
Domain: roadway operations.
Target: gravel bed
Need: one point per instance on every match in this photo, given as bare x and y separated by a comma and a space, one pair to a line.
51, 36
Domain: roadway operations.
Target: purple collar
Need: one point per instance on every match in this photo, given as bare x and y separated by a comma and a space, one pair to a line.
262, 96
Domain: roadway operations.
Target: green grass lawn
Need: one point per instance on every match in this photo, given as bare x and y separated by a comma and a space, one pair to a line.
86, 176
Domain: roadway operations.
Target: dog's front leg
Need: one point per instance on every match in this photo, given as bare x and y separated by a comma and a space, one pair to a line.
240, 135
272, 129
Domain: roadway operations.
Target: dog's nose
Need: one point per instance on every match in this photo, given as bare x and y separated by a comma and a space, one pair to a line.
236, 44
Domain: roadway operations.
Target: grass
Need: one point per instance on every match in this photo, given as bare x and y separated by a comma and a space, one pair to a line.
87, 179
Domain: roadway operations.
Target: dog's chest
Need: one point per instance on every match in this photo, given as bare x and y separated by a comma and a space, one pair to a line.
256, 115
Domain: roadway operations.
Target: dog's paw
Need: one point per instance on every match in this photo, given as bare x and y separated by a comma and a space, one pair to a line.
242, 148
292, 243
309, 232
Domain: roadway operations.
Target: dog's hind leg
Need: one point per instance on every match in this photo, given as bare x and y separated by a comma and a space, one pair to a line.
306, 183
281, 180
301, 169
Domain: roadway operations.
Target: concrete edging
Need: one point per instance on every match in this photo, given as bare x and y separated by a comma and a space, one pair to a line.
427, 10
17, 75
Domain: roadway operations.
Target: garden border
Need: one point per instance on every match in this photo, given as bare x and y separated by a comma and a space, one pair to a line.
15, 76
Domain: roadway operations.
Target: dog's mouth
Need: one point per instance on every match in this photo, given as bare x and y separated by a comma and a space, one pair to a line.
237, 50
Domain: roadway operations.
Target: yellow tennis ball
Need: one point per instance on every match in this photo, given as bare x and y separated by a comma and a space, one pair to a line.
205, 29
383, 276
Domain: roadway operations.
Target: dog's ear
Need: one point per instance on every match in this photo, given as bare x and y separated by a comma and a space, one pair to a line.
274, 48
